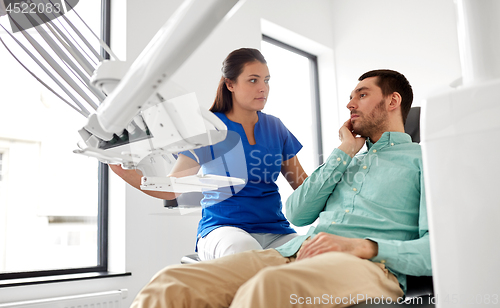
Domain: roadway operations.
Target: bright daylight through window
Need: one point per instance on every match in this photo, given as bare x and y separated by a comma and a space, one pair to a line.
292, 99
49, 200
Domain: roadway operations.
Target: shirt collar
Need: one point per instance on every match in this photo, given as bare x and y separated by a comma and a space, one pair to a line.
388, 139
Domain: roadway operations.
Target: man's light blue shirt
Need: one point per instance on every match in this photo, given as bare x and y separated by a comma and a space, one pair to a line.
377, 195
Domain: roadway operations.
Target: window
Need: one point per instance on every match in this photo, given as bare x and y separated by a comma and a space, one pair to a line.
53, 203
294, 98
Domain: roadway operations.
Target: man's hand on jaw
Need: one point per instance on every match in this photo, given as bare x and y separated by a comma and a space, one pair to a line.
326, 242
351, 143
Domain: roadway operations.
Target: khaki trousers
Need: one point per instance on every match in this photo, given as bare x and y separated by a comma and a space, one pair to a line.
263, 278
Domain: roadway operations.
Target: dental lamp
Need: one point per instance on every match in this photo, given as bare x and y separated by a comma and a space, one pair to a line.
140, 118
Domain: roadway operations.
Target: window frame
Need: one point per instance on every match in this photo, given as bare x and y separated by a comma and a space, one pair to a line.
101, 269
316, 107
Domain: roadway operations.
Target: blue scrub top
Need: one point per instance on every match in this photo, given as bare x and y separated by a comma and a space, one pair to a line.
256, 206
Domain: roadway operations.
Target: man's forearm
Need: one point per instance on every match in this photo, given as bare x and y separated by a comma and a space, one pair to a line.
406, 257
307, 201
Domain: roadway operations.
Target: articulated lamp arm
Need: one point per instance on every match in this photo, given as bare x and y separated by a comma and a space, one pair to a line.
138, 118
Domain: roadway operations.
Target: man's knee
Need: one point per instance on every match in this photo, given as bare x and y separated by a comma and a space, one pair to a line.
169, 274
166, 285
271, 276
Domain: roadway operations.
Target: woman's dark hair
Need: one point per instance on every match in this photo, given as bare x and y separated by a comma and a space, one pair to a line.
231, 69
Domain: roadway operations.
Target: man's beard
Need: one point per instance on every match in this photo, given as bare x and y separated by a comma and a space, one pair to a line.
372, 123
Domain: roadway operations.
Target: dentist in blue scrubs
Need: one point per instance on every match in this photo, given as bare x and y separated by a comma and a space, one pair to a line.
241, 217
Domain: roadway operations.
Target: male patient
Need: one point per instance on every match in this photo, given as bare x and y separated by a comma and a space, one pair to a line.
372, 228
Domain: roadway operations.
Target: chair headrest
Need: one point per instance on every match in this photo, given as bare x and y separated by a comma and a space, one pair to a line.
412, 125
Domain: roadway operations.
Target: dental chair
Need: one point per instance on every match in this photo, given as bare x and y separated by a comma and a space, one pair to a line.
419, 289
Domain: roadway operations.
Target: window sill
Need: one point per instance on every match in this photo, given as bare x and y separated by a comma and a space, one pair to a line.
16, 282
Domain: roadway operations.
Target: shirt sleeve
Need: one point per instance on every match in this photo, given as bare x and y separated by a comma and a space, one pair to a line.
408, 257
203, 155
291, 145
308, 200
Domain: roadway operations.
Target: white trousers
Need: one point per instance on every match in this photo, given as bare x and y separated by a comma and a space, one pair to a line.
225, 241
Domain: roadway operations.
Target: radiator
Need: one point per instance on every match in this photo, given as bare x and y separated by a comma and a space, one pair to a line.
111, 299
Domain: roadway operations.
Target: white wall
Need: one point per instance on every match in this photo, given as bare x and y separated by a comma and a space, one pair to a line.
416, 37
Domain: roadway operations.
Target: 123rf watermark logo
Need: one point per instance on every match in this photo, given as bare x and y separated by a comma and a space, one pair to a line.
26, 14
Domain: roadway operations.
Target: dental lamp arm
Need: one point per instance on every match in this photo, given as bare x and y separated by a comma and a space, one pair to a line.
140, 123
190, 25
175, 125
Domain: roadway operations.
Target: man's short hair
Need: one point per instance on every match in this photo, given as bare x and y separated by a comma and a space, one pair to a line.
391, 81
